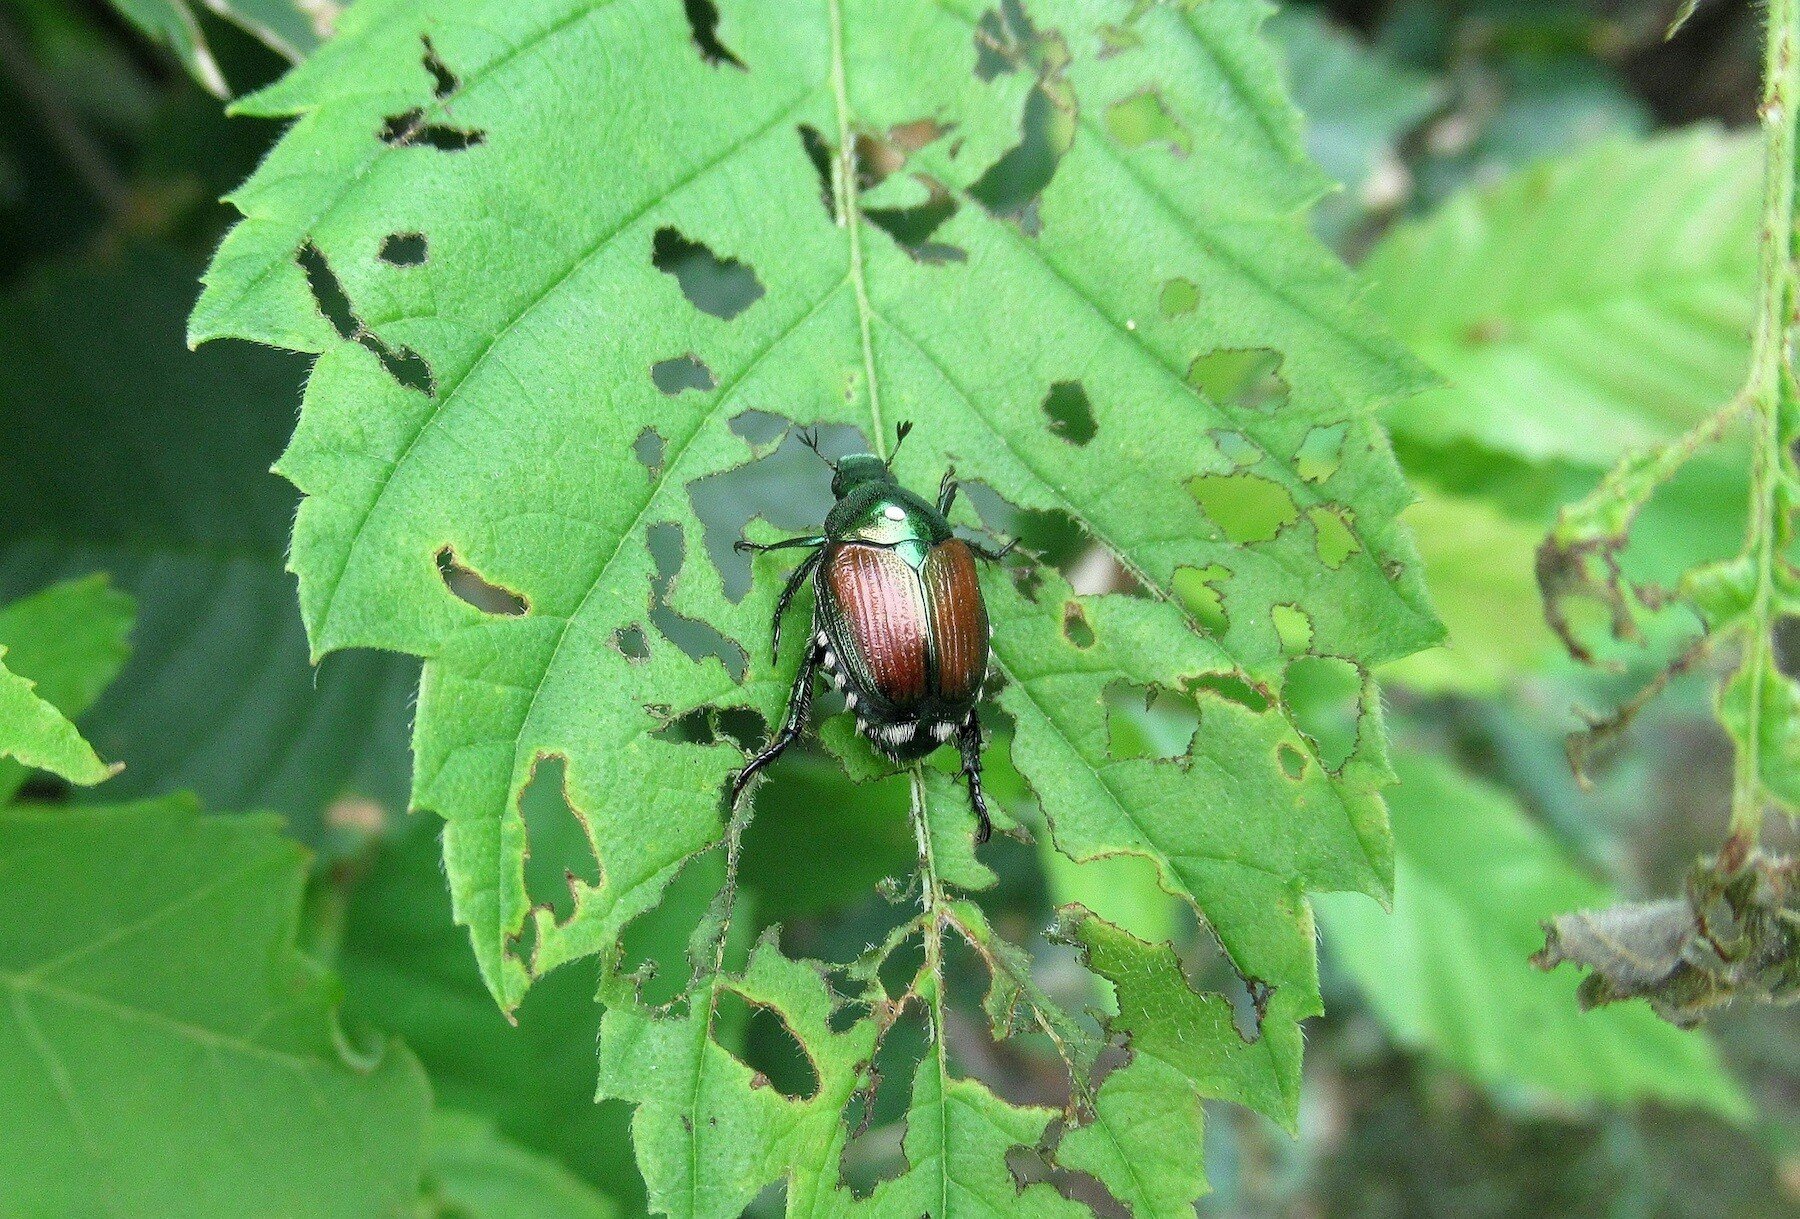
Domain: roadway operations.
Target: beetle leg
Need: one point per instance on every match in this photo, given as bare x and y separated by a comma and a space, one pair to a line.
992, 556
787, 595
747, 547
947, 492
799, 704
968, 741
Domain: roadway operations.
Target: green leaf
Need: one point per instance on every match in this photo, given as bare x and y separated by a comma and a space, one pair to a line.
957, 1136
290, 28
710, 1132
1358, 102
1447, 971
178, 507
164, 1050
1582, 307
1190, 1032
473, 1172
536, 488
1248, 875
1480, 567
407, 969
519, 389
1144, 1141
58, 650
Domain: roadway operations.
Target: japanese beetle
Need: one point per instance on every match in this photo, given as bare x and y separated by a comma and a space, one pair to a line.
898, 620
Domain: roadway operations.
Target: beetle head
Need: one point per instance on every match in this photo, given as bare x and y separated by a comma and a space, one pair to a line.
853, 471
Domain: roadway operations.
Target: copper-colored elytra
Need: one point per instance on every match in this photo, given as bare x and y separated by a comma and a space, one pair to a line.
958, 617
886, 616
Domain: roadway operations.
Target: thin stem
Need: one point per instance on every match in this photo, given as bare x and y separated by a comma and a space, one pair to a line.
931, 898
1767, 380
843, 189
72, 141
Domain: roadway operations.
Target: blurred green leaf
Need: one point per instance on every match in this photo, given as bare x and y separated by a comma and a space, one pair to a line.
164, 1049
1358, 102
290, 28
1448, 970
58, 649
1582, 307
165, 486
473, 1172
407, 968
1479, 568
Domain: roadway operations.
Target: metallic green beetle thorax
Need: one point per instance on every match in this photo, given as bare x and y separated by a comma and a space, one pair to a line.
886, 514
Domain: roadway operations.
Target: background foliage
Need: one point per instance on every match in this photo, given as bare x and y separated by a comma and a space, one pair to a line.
1480, 144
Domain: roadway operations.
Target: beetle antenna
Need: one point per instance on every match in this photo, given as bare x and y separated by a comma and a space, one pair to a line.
810, 438
900, 435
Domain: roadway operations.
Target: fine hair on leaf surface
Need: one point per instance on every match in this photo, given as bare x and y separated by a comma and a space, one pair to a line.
619, 276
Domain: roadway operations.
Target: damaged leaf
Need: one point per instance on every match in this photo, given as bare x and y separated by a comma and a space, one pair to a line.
493, 405
1734, 934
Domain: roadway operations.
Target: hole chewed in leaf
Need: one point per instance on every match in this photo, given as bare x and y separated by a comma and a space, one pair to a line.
1232, 687
1292, 759
1144, 118
1320, 453
722, 287
1244, 378
469, 587
703, 22
412, 129
784, 483
709, 725
632, 643
650, 449
912, 227
403, 364
1323, 695
1336, 538
818, 152
774, 1055
1076, 628
1785, 636
760, 429
1007, 41
697, 639
1293, 627
1200, 589
1009, 189
1149, 722
444, 82
1179, 296
1071, 414
1235, 447
403, 249
678, 375
994, 51
561, 853
1247, 508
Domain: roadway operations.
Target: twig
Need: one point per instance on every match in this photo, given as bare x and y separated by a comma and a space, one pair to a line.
1769, 377
63, 129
